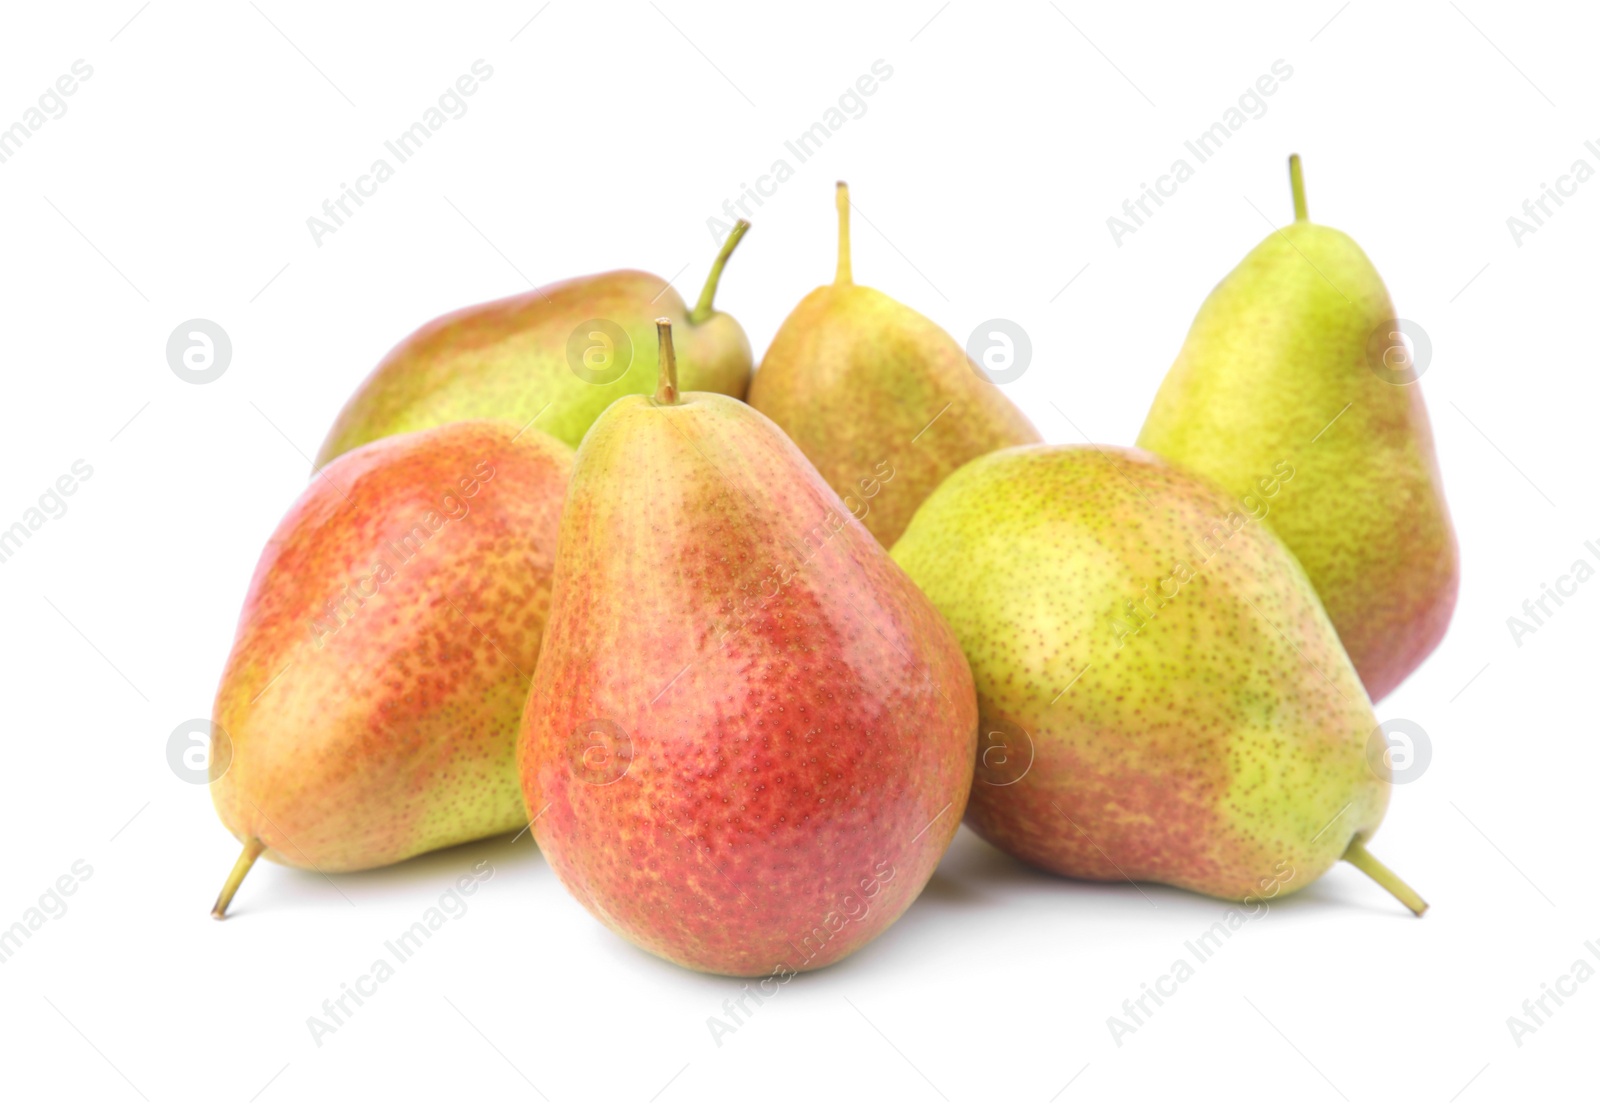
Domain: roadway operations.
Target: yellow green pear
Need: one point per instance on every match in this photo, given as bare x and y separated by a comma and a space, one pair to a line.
881, 400
1161, 696
554, 358
1296, 358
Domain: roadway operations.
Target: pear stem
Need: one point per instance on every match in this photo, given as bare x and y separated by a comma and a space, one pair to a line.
841, 199
702, 309
667, 381
1297, 186
252, 849
1364, 861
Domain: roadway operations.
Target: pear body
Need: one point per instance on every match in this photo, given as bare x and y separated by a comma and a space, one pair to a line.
1161, 695
881, 400
749, 738
385, 648
530, 357
1295, 358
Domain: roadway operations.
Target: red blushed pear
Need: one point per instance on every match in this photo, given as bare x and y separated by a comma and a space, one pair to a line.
553, 358
1162, 695
878, 397
750, 738
369, 709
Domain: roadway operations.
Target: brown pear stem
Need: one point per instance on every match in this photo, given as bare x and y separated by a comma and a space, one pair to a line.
702, 310
667, 381
841, 199
1297, 186
252, 849
1364, 861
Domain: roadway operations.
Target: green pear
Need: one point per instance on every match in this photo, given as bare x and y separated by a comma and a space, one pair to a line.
1296, 359
369, 709
1161, 695
879, 398
553, 358
749, 738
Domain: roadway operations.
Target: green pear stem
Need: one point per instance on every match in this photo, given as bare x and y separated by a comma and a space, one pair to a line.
1364, 861
841, 199
702, 309
1297, 186
252, 849
667, 381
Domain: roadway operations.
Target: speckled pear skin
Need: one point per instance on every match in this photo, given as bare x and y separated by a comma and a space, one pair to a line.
377, 723
799, 720
508, 359
859, 381
1216, 742
1278, 349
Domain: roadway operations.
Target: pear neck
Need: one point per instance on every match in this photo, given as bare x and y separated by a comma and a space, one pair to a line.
841, 200
703, 309
667, 379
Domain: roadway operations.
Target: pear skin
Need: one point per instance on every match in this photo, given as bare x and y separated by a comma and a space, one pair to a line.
750, 737
1162, 697
528, 358
1295, 357
879, 398
371, 702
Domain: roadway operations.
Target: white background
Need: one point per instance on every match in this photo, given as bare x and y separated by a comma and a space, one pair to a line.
178, 185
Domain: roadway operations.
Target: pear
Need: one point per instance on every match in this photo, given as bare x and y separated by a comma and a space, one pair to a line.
1296, 359
554, 357
750, 738
372, 698
879, 398
1162, 697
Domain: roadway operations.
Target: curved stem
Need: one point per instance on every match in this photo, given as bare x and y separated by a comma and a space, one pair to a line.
1297, 186
667, 381
841, 199
702, 309
241, 868
1364, 861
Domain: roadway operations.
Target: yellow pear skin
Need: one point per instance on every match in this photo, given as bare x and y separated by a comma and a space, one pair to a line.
881, 400
1295, 358
531, 359
1160, 694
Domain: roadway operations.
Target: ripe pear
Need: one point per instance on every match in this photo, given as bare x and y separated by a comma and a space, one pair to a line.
750, 737
554, 357
371, 702
1161, 695
1296, 357
879, 398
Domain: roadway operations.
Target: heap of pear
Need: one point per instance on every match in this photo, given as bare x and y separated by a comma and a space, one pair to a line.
743, 668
